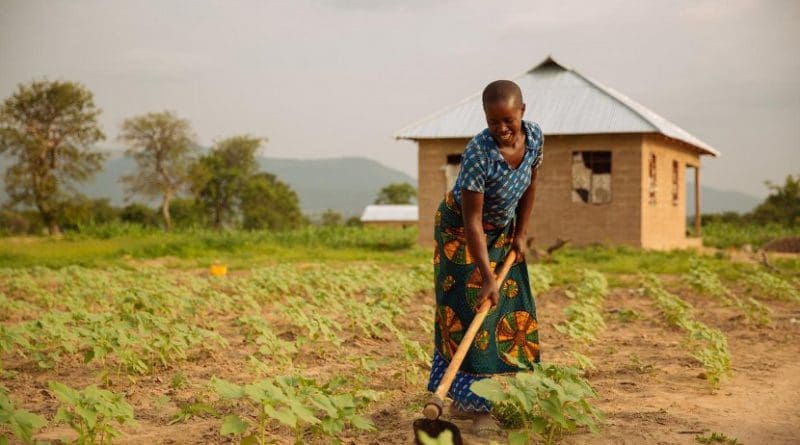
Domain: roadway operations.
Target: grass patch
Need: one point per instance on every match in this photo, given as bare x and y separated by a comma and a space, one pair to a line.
202, 247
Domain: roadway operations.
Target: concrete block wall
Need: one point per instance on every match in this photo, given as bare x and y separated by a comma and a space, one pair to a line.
664, 223
432, 156
555, 215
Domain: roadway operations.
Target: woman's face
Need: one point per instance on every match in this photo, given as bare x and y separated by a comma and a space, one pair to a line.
504, 119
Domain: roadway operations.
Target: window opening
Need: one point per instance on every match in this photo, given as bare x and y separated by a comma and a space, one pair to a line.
591, 177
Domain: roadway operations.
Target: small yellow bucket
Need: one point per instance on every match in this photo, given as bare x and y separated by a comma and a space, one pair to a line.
218, 270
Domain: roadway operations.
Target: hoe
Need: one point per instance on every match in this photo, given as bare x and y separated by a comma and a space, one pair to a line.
431, 424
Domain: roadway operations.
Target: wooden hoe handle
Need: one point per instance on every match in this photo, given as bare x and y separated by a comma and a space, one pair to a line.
433, 409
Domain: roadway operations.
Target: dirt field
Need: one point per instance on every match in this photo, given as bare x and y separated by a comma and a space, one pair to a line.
649, 387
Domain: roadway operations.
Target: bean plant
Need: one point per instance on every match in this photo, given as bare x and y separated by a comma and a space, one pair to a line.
584, 314
22, 424
708, 345
544, 402
91, 412
300, 404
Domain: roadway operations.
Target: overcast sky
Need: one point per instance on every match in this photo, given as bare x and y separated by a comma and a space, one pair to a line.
339, 77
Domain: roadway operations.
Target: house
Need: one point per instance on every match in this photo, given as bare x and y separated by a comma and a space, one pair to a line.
400, 216
613, 171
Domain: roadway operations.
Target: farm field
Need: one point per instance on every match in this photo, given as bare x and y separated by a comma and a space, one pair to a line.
294, 349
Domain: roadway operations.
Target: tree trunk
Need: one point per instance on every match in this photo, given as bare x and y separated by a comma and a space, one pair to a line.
48, 215
165, 211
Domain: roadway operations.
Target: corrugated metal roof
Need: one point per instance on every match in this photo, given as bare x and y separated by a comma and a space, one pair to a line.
390, 213
562, 101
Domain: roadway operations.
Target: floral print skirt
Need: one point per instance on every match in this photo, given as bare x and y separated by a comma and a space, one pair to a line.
509, 335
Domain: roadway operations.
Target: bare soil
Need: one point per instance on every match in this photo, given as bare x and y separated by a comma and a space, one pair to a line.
650, 389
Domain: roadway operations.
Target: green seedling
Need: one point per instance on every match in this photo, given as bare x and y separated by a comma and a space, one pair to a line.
91, 412
22, 424
544, 403
297, 403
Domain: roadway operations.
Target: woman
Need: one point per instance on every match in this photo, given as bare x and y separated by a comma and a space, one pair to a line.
477, 224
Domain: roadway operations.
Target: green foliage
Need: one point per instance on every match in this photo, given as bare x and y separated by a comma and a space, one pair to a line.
397, 193
703, 279
268, 203
48, 129
114, 247
782, 205
540, 278
297, 403
79, 210
772, 286
445, 438
91, 412
709, 346
545, 402
138, 213
725, 234
21, 423
584, 316
331, 218
715, 437
162, 145
220, 177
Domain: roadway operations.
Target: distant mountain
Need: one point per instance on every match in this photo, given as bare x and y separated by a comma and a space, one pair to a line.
714, 200
346, 185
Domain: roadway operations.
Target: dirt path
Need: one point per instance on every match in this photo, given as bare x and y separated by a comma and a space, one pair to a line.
651, 390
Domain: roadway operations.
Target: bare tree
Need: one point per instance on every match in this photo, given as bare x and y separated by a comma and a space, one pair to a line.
162, 145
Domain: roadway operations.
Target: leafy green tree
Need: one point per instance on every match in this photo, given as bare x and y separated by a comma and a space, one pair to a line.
162, 145
81, 210
353, 221
782, 205
268, 203
138, 213
48, 129
397, 193
220, 177
331, 218
186, 212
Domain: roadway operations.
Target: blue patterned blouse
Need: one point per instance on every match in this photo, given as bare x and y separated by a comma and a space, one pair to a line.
483, 169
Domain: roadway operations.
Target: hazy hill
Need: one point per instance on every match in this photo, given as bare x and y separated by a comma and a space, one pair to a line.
346, 185
716, 201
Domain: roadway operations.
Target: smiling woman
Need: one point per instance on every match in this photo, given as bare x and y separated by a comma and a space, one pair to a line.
482, 219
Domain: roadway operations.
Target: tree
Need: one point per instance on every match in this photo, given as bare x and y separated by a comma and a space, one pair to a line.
48, 129
268, 203
331, 218
397, 193
219, 178
162, 145
782, 205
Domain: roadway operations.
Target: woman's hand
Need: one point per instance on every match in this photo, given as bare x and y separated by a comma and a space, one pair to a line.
519, 246
488, 290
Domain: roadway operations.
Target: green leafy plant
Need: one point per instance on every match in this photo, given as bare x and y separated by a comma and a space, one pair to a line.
297, 403
709, 346
772, 286
717, 438
545, 402
703, 279
584, 316
21, 423
91, 412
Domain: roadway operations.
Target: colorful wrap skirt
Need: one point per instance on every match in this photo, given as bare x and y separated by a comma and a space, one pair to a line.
509, 334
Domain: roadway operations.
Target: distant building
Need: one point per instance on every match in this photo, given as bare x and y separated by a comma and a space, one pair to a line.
400, 216
613, 171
